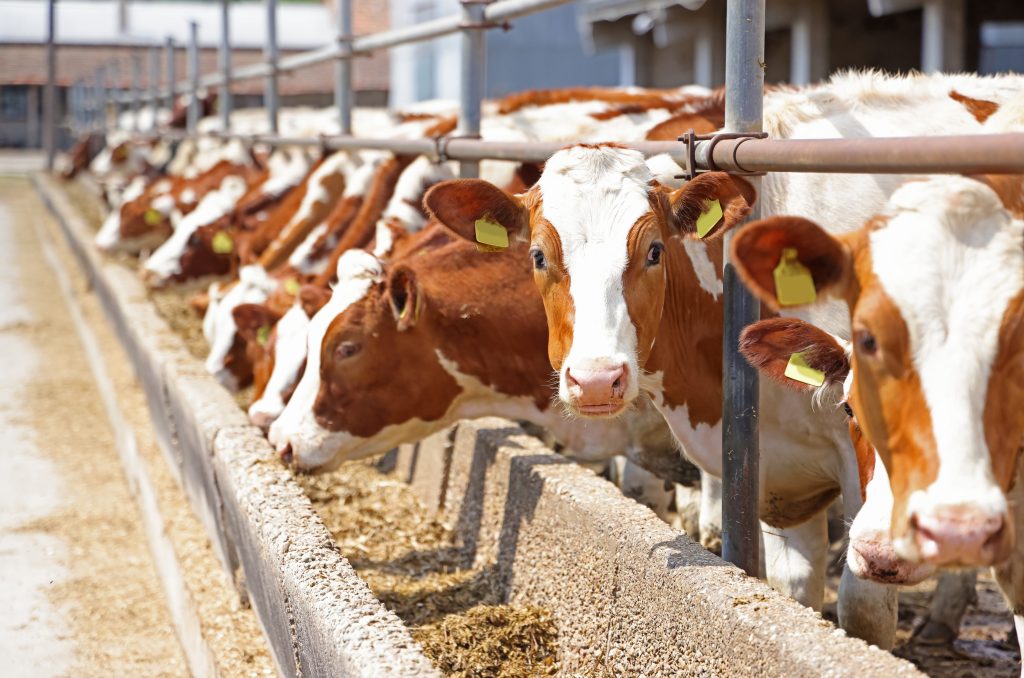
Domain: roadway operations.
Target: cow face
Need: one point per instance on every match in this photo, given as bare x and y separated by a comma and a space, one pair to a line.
935, 290
597, 224
768, 346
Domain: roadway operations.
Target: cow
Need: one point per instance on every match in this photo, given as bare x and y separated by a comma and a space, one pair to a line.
934, 291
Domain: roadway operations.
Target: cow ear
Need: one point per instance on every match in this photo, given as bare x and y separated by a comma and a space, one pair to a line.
404, 296
253, 322
759, 247
768, 345
460, 203
711, 203
312, 298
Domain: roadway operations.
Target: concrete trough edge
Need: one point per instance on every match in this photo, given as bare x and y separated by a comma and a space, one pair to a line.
319, 617
629, 593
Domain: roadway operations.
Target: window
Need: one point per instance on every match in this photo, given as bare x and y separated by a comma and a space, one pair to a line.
13, 102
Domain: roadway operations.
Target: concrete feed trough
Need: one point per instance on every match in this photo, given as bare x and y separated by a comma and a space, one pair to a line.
630, 595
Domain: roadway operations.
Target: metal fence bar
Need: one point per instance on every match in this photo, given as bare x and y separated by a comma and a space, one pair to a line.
154, 81
171, 75
114, 68
225, 103
343, 66
474, 74
50, 92
193, 112
101, 95
744, 94
270, 98
136, 89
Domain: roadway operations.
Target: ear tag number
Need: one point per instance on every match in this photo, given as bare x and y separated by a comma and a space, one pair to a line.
263, 335
793, 283
152, 217
797, 369
490, 235
222, 243
291, 286
712, 215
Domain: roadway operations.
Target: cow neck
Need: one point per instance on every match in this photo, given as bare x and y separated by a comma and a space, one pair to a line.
687, 352
268, 229
494, 330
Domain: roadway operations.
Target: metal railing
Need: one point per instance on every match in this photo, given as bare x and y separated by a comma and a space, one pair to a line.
744, 94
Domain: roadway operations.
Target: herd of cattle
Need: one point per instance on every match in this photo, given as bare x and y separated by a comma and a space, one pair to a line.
375, 299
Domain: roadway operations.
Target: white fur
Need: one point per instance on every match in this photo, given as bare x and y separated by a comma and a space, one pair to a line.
592, 197
289, 356
253, 287
420, 175
109, 235
301, 258
951, 260
707, 275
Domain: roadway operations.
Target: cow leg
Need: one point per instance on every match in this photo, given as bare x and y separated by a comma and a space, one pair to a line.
868, 610
646, 488
795, 559
687, 519
1010, 575
710, 512
954, 592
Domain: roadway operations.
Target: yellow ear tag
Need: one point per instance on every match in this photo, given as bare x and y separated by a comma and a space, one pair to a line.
263, 334
291, 286
222, 243
797, 369
712, 214
491, 236
793, 283
152, 217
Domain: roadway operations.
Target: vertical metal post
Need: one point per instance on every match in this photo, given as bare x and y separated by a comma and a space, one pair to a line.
744, 94
225, 65
50, 94
115, 92
101, 98
270, 99
154, 82
136, 86
474, 73
172, 74
193, 77
72, 105
343, 66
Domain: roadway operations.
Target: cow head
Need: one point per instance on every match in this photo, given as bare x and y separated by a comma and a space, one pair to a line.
768, 345
935, 291
597, 224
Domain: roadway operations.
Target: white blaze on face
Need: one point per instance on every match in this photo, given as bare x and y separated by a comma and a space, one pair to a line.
110, 232
302, 258
253, 287
166, 260
966, 265
592, 197
287, 169
357, 184
289, 355
297, 425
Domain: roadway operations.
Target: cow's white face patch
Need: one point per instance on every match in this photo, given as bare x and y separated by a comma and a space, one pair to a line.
109, 235
593, 196
289, 356
312, 444
953, 302
253, 287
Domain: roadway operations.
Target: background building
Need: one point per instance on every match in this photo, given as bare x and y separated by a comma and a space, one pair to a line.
110, 33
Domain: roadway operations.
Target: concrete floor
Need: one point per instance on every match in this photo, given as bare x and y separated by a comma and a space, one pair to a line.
78, 592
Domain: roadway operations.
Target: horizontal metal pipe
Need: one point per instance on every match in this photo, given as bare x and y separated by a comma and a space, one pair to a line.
988, 153
963, 154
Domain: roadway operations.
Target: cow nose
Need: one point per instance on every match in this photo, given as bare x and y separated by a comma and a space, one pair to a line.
961, 535
286, 454
597, 390
873, 557
262, 418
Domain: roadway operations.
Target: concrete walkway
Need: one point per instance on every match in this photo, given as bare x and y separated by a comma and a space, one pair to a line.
78, 593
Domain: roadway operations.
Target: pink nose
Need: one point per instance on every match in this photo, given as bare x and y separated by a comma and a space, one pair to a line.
874, 558
599, 390
961, 535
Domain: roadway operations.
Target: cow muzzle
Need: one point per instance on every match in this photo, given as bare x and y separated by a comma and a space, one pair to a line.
873, 557
598, 389
961, 536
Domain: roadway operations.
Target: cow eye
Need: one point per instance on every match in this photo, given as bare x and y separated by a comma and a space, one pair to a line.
654, 254
539, 263
866, 342
346, 349
848, 410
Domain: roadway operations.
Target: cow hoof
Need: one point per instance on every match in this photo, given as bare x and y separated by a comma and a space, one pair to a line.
934, 633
